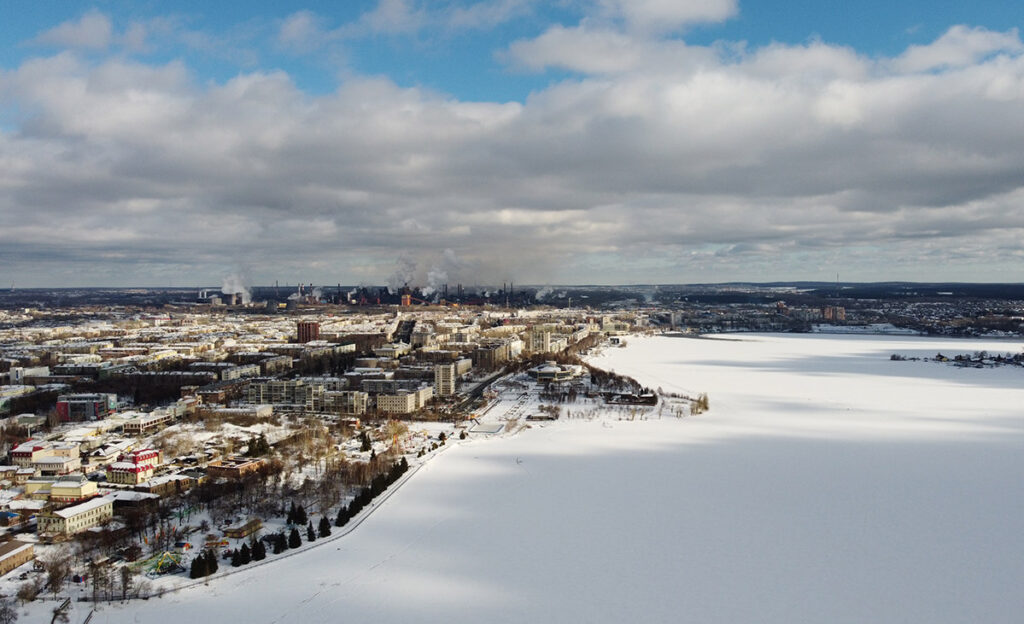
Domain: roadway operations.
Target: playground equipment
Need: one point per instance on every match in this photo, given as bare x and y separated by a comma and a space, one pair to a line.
162, 563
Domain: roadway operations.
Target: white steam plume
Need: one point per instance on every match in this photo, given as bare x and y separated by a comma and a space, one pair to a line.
234, 284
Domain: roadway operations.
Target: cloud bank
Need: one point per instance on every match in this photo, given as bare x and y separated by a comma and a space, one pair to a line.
654, 161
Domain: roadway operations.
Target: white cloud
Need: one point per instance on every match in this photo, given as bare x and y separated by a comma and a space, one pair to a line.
681, 154
960, 46
487, 14
92, 31
603, 51
393, 17
814, 62
302, 31
668, 15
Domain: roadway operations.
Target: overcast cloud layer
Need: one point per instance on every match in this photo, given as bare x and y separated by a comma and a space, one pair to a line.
655, 161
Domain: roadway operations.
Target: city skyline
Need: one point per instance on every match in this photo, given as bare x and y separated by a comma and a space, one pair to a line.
604, 142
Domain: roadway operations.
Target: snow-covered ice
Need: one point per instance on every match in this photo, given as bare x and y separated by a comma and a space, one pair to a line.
826, 484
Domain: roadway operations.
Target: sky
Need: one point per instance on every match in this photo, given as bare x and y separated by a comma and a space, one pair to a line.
571, 141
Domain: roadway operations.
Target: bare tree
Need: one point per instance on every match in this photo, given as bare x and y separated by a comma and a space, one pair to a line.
127, 579
100, 579
58, 569
142, 589
28, 590
8, 612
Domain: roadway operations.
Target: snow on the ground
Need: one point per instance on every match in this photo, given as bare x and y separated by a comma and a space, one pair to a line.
826, 484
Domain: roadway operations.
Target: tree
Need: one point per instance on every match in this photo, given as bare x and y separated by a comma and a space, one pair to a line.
300, 515
236, 559
310, 533
343, 516
325, 526
294, 541
58, 568
211, 562
280, 543
259, 551
100, 573
28, 591
244, 554
364, 442
198, 567
126, 582
8, 612
258, 446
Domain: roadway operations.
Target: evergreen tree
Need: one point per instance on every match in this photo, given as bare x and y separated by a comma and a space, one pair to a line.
198, 568
294, 541
325, 526
211, 562
364, 441
244, 554
300, 515
258, 446
310, 533
259, 551
236, 559
291, 514
343, 516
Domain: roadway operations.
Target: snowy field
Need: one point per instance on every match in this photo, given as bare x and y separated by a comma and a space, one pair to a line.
826, 484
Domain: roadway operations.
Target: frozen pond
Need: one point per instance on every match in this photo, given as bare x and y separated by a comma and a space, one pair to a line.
826, 484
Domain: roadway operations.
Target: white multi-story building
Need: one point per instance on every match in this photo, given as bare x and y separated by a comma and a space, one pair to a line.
405, 401
352, 402
76, 518
444, 379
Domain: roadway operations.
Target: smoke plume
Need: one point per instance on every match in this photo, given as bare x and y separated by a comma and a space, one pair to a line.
234, 284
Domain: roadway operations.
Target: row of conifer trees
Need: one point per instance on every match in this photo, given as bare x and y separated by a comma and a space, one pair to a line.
205, 563
367, 494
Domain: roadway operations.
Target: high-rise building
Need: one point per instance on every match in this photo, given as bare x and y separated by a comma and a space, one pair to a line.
308, 331
444, 379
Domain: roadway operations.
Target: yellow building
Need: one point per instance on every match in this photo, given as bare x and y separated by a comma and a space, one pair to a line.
76, 518
72, 491
14, 554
